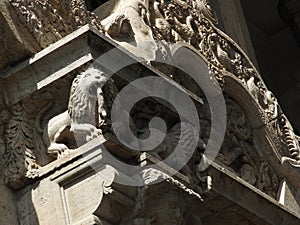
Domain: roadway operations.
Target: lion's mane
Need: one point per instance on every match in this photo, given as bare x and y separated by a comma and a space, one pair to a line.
83, 95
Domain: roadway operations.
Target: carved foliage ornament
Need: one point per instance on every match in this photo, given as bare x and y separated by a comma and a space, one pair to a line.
50, 20
193, 22
242, 155
21, 145
167, 20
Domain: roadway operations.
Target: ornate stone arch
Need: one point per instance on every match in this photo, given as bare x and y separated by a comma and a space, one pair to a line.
242, 151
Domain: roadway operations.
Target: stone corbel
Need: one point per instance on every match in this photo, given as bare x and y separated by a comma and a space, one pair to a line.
196, 185
164, 200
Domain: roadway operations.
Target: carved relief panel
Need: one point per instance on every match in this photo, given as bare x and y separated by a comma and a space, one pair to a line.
50, 20
243, 155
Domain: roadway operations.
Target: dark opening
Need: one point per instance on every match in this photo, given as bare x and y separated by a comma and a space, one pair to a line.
93, 4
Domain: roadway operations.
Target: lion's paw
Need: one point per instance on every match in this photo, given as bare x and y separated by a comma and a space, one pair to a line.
58, 150
94, 133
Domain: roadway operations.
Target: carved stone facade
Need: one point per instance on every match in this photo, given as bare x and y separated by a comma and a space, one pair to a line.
63, 155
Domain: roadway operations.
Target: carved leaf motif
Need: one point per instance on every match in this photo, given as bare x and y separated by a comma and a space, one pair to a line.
22, 140
50, 20
19, 145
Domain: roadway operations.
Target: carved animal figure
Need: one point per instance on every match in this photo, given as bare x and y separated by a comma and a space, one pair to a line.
86, 111
139, 37
203, 7
55, 131
186, 30
268, 101
160, 22
253, 89
120, 27
83, 102
221, 56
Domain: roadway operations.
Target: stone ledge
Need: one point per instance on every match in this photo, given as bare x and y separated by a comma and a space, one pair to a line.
237, 190
36, 72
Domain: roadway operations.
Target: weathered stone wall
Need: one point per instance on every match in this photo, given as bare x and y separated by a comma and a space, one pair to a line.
8, 205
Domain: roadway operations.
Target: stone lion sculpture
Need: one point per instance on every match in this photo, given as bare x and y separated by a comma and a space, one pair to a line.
87, 111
